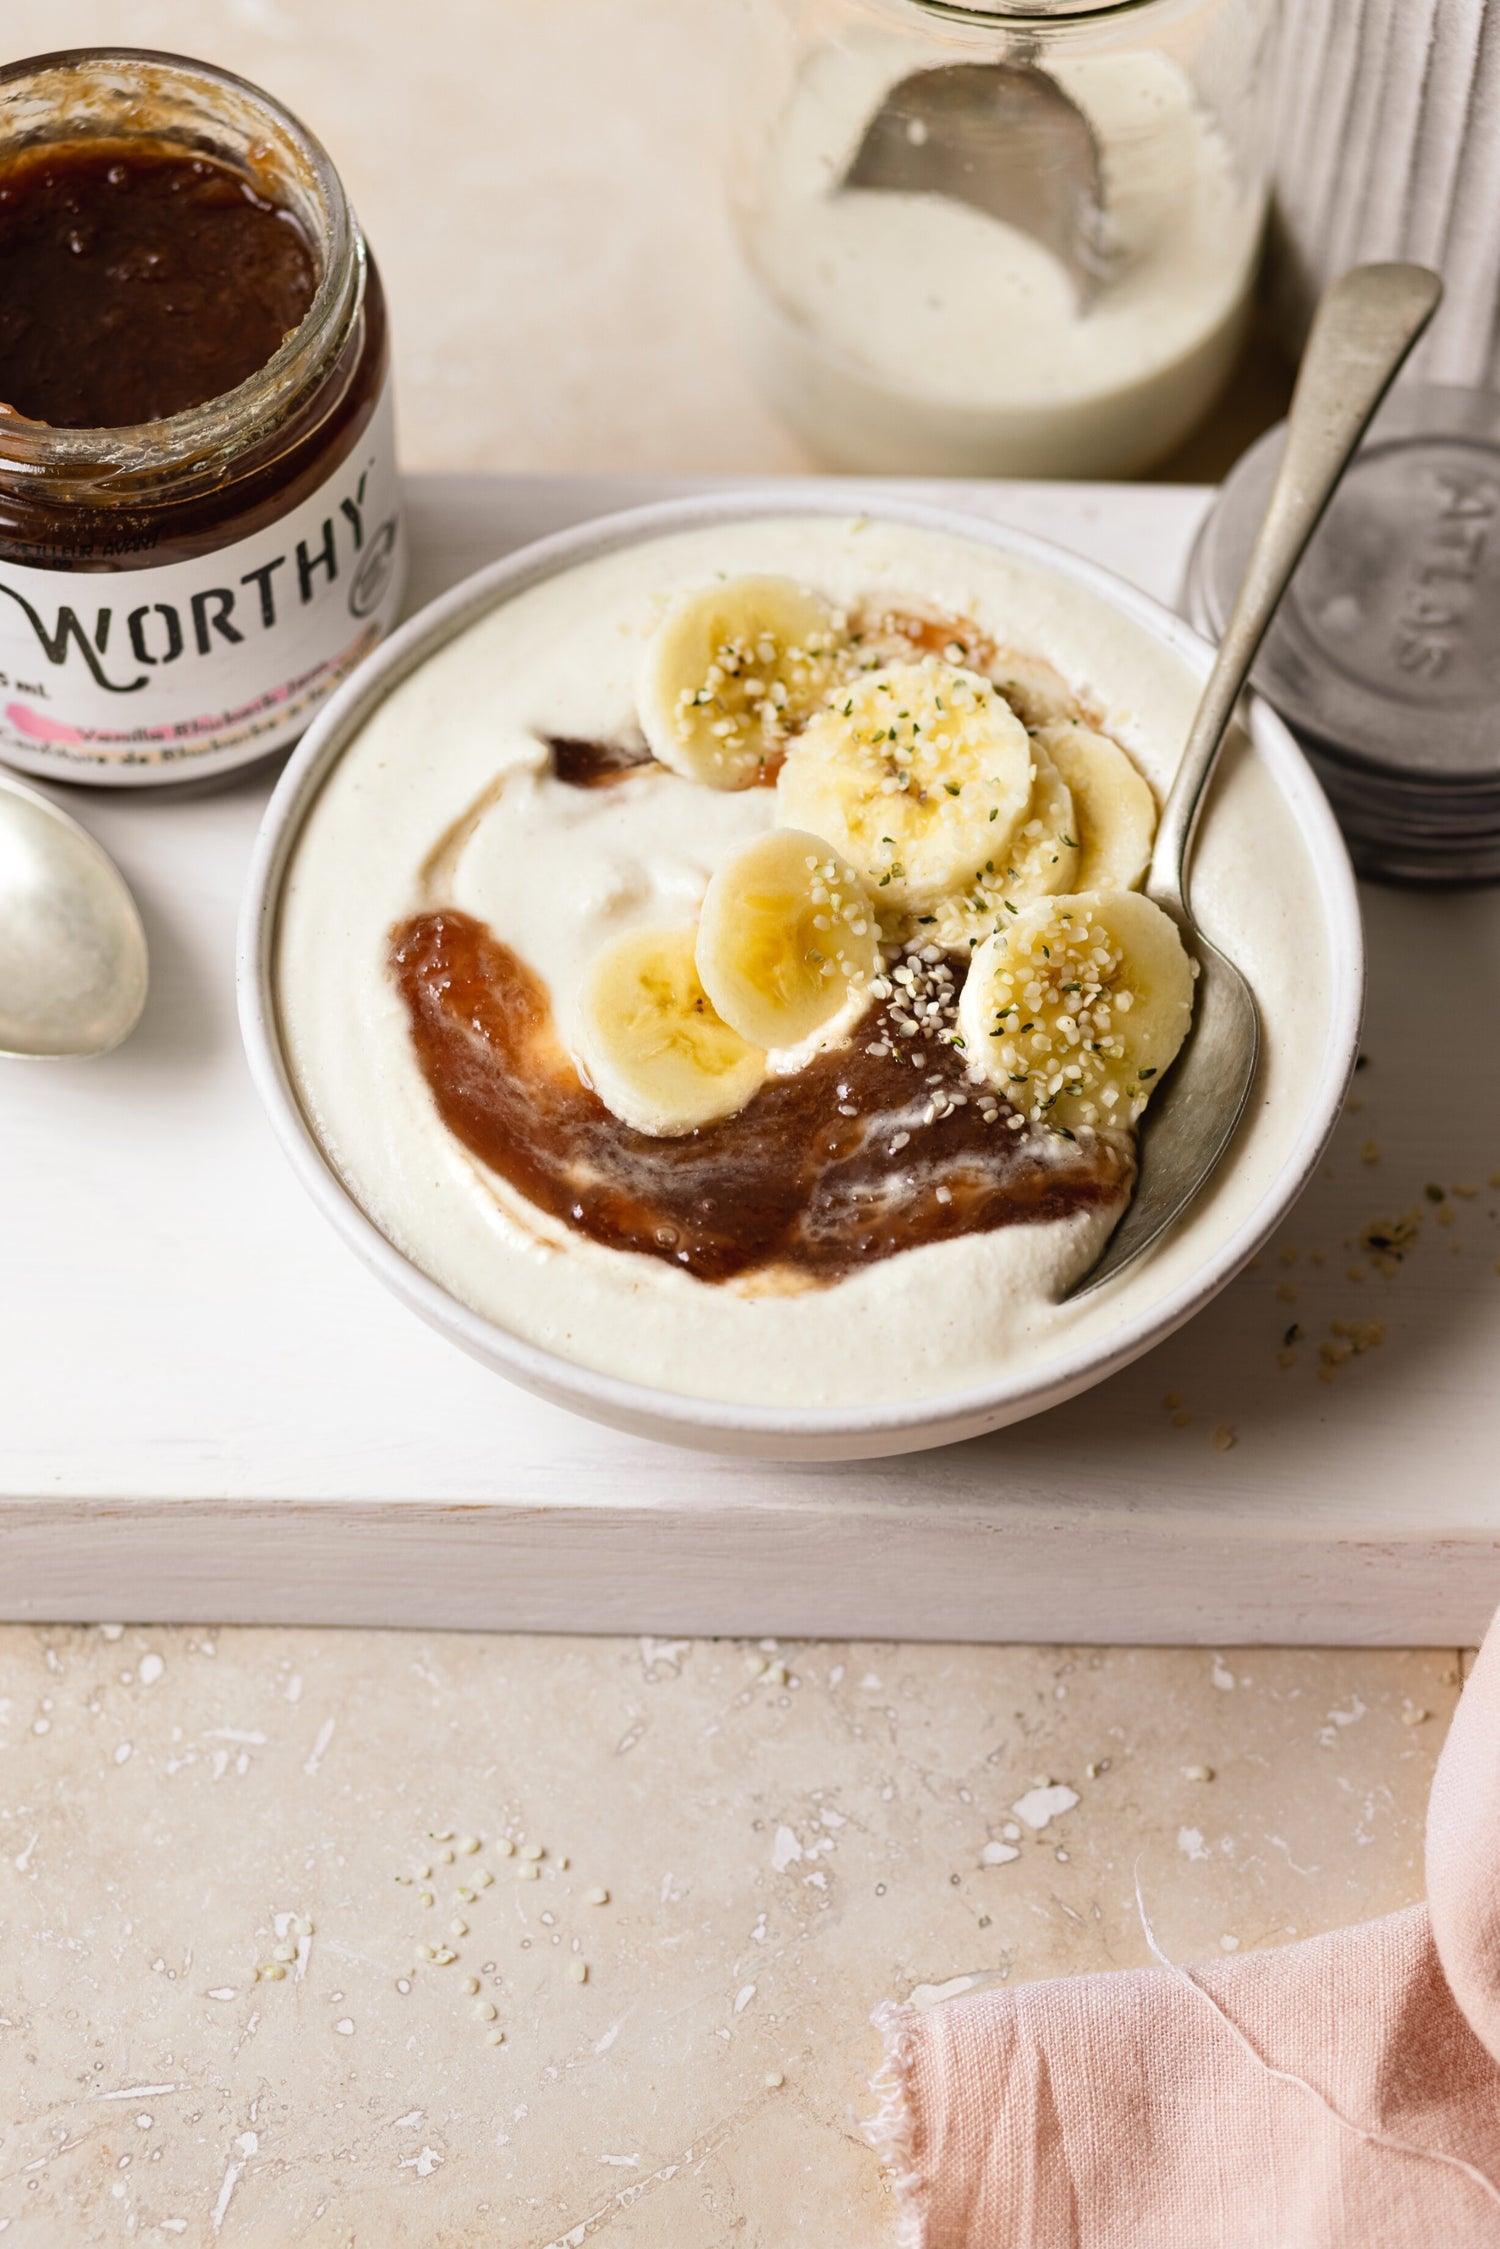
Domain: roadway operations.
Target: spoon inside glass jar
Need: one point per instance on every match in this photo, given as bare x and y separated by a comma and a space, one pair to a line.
73, 966
1004, 138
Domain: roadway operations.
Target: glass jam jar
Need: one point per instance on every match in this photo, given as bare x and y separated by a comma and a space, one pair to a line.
907, 310
179, 591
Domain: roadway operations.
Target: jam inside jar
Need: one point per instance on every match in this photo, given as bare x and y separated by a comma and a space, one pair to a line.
185, 579
139, 281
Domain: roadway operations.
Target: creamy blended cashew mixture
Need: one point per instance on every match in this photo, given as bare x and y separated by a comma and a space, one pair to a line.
867, 1167
911, 332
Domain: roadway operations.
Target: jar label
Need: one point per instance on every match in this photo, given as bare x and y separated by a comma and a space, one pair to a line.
146, 675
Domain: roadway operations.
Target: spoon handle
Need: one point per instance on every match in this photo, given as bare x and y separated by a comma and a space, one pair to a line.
1366, 324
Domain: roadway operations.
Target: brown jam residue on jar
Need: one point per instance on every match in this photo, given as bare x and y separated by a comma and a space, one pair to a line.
819, 1174
138, 281
594, 765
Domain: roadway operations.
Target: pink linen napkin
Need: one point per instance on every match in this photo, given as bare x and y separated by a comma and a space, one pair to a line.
1337, 2094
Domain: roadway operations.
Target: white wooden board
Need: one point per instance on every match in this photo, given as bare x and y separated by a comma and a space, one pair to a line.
209, 1411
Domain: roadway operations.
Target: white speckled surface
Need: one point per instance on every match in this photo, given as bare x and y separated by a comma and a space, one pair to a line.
165, 1795
781, 1852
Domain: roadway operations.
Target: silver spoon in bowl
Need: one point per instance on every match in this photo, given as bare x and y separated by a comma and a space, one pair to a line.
72, 951
1365, 326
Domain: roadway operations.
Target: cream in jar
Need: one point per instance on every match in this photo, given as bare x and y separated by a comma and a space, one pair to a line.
904, 332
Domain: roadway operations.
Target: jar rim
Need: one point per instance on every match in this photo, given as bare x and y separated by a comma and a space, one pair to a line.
227, 424
1024, 12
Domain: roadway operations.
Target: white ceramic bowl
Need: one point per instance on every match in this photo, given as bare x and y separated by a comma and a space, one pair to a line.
1310, 996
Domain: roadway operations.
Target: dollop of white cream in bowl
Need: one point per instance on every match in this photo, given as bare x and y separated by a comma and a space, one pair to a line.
446, 795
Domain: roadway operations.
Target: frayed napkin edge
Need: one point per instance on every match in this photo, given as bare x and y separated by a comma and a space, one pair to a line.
891, 2130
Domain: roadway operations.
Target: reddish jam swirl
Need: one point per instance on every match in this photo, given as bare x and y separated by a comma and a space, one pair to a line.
791, 1184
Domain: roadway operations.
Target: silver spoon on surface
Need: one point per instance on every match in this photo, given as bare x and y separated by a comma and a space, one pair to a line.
1004, 138
72, 950
1365, 326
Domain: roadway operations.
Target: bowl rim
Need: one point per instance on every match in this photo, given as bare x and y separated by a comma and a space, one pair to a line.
678, 1415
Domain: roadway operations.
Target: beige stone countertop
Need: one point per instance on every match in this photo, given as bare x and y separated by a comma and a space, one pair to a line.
785, 1835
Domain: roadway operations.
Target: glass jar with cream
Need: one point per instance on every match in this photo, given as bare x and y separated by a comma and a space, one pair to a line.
998, 239
199, 515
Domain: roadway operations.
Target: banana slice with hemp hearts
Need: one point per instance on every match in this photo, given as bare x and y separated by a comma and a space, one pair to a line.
1113, 804
787, 938
1074, 1010
1040, 860
731, 671
916, 774
656, 1051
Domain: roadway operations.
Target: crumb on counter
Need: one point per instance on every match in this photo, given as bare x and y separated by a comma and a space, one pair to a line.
1347, 1339
1386, 1241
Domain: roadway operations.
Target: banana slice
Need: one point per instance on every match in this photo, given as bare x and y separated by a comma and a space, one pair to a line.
1112, 799
916, 774
731, 671
1035, 690
1074, 1011
1042, 859
655, 1051
786, 939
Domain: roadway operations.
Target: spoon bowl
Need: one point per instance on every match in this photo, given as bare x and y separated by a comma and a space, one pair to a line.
73, 968
1365, 326
1004, 138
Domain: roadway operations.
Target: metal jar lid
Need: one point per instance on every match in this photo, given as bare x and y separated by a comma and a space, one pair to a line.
1385, 657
